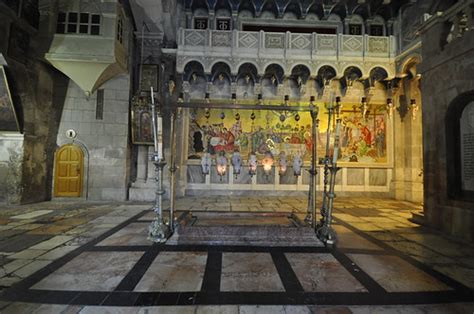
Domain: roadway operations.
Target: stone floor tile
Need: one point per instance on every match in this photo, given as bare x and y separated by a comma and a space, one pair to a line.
57, 252
49, 229
462, 274
249, 272
348, 239
52, 243
15, 264
32, 214
322, 273
30, 268
9, 280
385, 269
91, 271
21, 242
34, 308
28, 254
174, 271
133, 234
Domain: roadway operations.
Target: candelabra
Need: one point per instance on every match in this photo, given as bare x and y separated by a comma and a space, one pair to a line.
158, 231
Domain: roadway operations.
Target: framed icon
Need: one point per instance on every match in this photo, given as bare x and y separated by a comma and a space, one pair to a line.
142, 131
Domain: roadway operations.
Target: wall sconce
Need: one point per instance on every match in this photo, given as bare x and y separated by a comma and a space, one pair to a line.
252, 164
236, 162
390, 107
205, 163
287, 100
413, 108
297, 164
282, 163
267, 163
364, 107
221, 164
260, 99
234, 98
206, 97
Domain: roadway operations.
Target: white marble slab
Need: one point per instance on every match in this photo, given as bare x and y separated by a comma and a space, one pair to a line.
32, 214
91, 271
174, 271
249, 272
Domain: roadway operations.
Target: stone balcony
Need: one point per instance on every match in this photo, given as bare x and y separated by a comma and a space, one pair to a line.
286, 49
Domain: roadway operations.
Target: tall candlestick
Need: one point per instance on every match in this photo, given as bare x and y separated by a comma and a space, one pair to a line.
152, 96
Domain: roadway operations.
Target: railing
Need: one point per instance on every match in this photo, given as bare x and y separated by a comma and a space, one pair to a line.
265, 44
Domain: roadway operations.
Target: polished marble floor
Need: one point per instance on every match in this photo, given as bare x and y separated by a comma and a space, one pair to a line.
81, 257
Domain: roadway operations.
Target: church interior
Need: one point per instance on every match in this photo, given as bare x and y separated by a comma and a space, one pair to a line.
236, 156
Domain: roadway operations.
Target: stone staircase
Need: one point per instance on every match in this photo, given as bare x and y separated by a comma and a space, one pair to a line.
246, 229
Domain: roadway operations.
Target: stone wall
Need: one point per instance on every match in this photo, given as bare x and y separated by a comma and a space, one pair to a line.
35, 87
104, 142
447, 73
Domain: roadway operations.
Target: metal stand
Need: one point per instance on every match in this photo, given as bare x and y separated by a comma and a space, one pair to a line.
311, 212
158, 231
327, 161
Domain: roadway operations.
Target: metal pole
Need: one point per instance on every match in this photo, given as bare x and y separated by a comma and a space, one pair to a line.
327, 161
172, 169
311, 212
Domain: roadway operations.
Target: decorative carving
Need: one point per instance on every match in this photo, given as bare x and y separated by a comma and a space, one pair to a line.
194, 38
378, 44
248, 40
327, 42
274, 40
300, 41
221, 39
351, 43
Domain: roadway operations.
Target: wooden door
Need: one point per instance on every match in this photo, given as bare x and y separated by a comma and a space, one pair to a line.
69, 170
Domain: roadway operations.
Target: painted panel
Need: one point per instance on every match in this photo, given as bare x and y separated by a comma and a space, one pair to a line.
363, 141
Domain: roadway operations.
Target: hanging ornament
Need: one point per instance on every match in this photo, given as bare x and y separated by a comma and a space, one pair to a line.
237, 116
282, 117
252, 116
222, 115
297, 117
207, 113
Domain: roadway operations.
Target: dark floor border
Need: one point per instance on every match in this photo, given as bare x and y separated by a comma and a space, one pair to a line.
128, 298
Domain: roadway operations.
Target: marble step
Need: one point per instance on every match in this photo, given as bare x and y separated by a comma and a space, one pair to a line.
252, 229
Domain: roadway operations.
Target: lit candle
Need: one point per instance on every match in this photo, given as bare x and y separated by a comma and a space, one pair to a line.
152, 96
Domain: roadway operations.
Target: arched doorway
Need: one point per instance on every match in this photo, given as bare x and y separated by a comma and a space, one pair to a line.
69, 171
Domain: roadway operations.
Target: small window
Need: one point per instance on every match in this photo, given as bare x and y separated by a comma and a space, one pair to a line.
120, 30
82, 23
99, 109
376, 30
355, 29
61, 26
200, 23
223, 24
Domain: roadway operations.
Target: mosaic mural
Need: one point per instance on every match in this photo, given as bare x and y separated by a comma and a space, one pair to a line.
363, 141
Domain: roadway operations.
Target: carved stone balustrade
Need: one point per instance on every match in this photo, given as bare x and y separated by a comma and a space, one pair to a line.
286, 49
